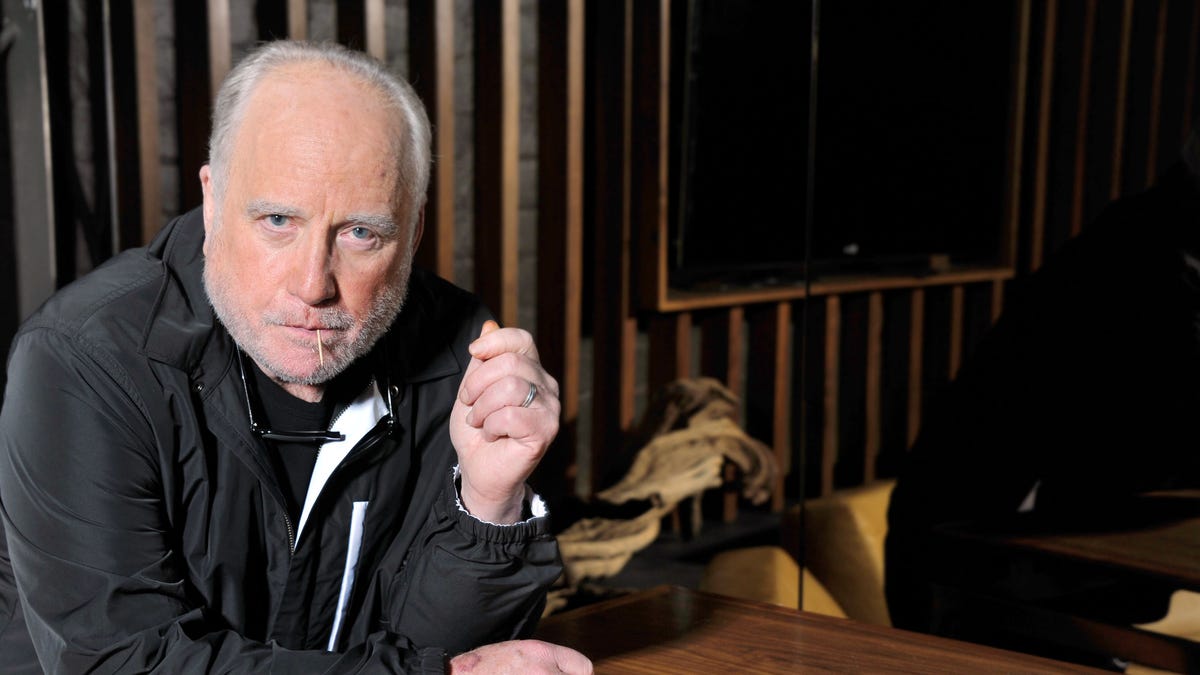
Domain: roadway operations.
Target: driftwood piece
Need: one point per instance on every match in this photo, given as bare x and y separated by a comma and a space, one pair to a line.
690, 431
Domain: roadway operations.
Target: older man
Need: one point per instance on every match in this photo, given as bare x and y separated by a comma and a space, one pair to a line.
266, 444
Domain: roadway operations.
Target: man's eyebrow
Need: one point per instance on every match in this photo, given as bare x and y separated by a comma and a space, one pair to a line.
262, 207
383, 224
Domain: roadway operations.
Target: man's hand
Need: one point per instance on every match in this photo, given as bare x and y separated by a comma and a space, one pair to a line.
498, 439
520, 657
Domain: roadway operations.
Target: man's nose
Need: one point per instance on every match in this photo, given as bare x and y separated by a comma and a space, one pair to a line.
312, 279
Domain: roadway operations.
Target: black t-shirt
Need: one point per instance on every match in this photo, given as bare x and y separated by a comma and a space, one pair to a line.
294, 461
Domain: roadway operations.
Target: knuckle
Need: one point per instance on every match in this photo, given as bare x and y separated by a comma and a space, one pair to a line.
509, 360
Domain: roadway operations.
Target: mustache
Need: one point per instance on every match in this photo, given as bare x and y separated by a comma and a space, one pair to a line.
328, 319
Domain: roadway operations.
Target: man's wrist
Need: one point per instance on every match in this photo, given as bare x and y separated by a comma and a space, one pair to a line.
504, 511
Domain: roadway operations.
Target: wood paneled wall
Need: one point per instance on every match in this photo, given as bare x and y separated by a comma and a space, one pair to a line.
834, 376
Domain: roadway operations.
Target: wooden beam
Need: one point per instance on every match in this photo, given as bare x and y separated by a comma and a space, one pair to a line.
916, 340
874, 389
375, 28
497, 126
651, 143
722, 346
1081, 116
1118, 156
560, 218
297, 19
351, 23
768, 381
193, 96
957, 319
122, 160
1037, 227
781, 428
1160, 46
608, 208
832, 393
220, 43
734, 375
1189, 80
431, 64
33, 248
146, 75
997, 300
1016, 136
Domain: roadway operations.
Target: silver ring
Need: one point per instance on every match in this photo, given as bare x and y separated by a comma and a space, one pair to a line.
530, 396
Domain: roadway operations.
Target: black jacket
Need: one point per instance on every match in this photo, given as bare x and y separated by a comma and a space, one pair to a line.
146, 524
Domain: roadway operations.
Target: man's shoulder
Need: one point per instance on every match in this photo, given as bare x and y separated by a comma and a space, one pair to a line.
111, 306
115, 296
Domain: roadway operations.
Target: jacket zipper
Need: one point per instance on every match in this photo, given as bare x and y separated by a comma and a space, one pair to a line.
363, 444
287, 521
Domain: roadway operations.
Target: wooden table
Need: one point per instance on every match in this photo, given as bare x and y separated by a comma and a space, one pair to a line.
1155, 537
1166, 551
674, 630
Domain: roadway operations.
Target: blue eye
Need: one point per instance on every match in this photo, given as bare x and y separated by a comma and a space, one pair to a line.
277, 220
360, 233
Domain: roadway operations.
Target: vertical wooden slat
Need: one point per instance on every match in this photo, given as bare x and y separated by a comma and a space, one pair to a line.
874, 389
916, 340
121, 173
608, 207
351, 23
957, 319
32, 176
670, 350
670, 359
1016, 136
1118, 156
997, 300
683, 345
497, 99
146, 76
431, 62
831, 389
193, 96
1160, 46
297, 19
1081, 116
768, 383
781, 436
220, 44
734, 375
721, 348
375, 29
560, 219
1037, 229
1189, 80
651, 94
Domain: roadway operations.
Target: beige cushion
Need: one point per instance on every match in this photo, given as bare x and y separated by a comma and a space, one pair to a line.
766, 574
843, 547
1182, 619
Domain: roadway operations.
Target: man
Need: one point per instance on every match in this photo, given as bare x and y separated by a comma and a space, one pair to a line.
265, 443
1083, 395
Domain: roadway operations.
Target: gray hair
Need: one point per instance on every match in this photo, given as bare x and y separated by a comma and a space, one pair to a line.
413, 158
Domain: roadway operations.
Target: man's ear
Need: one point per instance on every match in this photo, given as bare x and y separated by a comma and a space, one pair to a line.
416, 240
209, 203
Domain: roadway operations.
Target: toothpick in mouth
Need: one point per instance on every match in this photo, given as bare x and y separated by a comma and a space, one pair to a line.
320, 349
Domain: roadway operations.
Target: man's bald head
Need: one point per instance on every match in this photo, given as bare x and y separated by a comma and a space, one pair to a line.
413, 154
